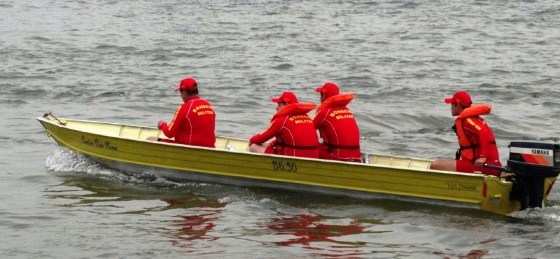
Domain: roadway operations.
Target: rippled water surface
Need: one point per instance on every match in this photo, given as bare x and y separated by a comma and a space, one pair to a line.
118, 61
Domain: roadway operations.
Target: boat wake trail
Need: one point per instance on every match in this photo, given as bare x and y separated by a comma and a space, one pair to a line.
539, 215
64, 162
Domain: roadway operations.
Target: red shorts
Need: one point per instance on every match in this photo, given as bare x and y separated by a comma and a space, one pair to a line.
468, 167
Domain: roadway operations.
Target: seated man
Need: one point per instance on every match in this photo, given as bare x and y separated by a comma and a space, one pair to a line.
337, 126
292, 129
477, 144
194, 121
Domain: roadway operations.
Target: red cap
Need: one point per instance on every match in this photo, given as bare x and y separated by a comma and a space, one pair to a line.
286, 97
460, 97
328, 89
188, 83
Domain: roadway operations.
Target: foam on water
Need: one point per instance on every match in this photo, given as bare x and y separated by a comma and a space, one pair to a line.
64, 162
547, 214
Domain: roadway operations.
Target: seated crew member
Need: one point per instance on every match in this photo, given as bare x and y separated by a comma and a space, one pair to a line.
194, 121
291, 128
477, 144
336, 124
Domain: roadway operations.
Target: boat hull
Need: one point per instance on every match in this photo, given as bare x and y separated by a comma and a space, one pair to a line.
129, 148
180, 176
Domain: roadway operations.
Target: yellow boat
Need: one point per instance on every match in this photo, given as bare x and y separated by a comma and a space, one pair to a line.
135, 149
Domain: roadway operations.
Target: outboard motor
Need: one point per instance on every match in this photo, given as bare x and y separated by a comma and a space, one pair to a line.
531, 163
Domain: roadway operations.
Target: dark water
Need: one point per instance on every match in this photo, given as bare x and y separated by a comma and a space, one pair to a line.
118, 61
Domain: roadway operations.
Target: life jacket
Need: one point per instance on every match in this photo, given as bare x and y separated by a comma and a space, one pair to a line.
466, 148
294, 109
336, 101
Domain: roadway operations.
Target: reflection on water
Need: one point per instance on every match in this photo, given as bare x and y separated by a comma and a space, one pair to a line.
473, 254
376, 206
191, 201
190, 229
309, 231
185, 218
83, 190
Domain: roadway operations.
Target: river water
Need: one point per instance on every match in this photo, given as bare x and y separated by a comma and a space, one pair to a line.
118, 61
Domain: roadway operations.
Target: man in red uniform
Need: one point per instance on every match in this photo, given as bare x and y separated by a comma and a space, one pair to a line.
194, 121
477, 144
336, 124
292, 129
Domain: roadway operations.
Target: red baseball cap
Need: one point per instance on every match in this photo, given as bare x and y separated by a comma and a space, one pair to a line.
188, 83
286, 97
328, 89
460, 97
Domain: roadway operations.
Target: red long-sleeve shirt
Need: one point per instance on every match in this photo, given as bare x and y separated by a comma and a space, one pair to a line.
193, 123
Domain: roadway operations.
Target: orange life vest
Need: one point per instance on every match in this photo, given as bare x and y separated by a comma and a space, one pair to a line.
467, 150
339, 100
295, 109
